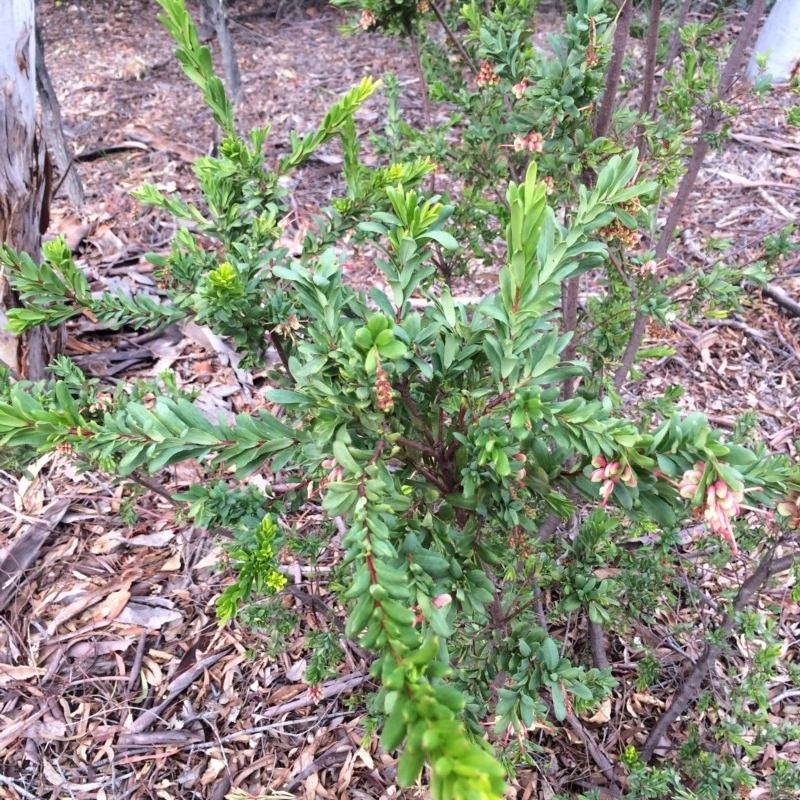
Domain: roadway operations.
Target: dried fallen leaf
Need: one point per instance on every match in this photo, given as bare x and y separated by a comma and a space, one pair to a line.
21, 672
111, 607
213, 768
149, 617
603, 714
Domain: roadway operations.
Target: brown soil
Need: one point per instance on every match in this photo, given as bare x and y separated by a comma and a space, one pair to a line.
115, 680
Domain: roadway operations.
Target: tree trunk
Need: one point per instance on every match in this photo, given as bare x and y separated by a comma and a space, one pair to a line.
24, 180
54, 129
779, 41
215, 15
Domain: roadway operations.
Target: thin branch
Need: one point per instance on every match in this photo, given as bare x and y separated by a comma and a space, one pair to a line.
713, 117
602, 121
411, 407
595, 751
452, 37
649, 78
675, 43
767, 568
437, 482
426, 107
277, 344
410, 444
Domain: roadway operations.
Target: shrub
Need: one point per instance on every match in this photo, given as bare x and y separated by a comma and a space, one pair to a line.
443, 437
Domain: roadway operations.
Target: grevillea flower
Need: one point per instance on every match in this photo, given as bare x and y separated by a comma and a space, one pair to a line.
691, 480
532, 142
518, 89
383, 390
442, 600
790, 507
486, 75
722, 503
608, 474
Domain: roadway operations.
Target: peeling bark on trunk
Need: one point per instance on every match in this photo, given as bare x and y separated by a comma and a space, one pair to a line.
215, 15
779, 40
24, 171
54, 129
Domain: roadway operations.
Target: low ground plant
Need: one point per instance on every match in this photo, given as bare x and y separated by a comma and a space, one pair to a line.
488, 492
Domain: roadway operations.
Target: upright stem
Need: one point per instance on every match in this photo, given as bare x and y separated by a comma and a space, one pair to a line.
602, 121
426, 108
713, 117
649, 78
767, 568
675, 42
453, 38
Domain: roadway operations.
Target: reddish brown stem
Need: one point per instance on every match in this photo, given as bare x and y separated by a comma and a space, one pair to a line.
767, 568
649, 78
711, 122
602, 121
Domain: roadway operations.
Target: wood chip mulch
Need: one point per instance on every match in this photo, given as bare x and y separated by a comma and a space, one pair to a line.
116, 681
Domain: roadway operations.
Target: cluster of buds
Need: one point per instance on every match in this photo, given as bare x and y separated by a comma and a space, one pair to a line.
721, 502
367, 20
423, 6
287, 329
335, 475
625, 236
791, 508
591, 50
610, 473
518, 89
440, 601
486, 75
383, 390
646, 270
316, 694
532, 143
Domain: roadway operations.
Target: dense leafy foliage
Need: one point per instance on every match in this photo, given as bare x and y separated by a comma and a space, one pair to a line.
442, 437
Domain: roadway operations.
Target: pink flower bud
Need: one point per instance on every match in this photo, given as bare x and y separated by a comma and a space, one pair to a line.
442, 600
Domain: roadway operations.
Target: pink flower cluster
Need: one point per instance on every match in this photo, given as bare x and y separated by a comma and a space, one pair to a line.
533, 142
518, 89
721, 502
790, 507
611, 473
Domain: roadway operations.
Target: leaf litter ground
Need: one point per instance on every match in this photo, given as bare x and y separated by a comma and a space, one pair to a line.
115, 679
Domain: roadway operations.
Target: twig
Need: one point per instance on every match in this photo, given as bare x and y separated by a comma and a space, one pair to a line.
426, 108
452, 37
336, 687
136, 666
782, 299
768, 567
175, 688
334, 754
276, 343
595, 751
17, 788
788, 345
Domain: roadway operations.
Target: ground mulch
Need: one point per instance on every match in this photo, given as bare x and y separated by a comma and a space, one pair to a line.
115, 679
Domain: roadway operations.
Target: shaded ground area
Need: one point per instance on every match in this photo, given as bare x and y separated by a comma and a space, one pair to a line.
115, 680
